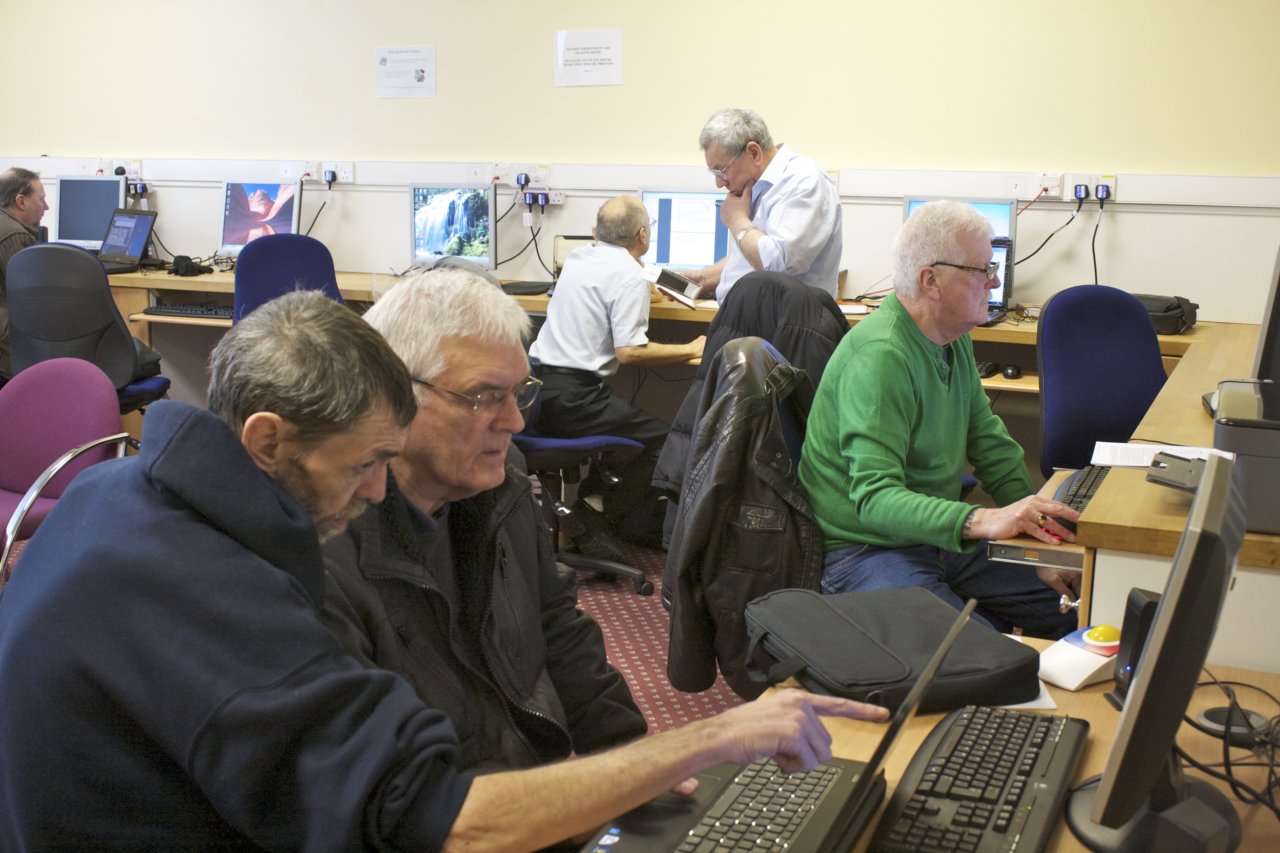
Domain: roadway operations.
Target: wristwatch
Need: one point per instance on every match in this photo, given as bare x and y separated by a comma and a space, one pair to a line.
737, 238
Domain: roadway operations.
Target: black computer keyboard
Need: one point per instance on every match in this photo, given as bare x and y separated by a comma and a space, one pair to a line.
212, 312
1077, 490
761, 795
987, 369
984, 779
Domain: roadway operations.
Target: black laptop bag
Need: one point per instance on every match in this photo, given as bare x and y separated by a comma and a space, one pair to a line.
1171, 315
872, 645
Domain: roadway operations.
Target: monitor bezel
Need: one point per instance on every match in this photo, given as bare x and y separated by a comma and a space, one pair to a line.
92, 245
650, 257
491, 192
231, 250
1141, 777
1266, 359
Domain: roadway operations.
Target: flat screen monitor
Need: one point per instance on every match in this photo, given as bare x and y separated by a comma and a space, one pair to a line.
453, 220
1142, 789
84, 207
252, 210
686, 232
1003, 216
1266, 363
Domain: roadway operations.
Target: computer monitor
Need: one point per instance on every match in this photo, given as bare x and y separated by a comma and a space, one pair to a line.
253, 210
454, 220
84, 207
687, 232
1003, 216
1142, 789
1266, 363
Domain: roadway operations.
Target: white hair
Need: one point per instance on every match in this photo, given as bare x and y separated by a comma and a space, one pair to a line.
933, 233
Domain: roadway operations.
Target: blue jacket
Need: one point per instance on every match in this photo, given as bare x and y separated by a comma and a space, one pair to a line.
166, 682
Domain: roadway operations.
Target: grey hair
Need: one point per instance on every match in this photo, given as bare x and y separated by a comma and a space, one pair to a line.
418, 315
732, 129
933, 233
311, 361
618, 222
14, 182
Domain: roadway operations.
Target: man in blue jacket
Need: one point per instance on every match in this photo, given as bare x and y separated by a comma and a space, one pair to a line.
167, 682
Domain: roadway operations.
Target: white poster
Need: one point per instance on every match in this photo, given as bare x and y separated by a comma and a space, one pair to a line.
588, 58
405, 72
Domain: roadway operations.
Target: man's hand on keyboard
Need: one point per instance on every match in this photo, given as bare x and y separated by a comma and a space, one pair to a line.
1031, 516
785, 727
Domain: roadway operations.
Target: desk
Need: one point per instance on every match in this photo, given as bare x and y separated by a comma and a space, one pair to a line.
1135, 526
856, 740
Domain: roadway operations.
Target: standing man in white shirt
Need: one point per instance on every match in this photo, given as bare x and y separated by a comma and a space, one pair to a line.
782, 211
597, 320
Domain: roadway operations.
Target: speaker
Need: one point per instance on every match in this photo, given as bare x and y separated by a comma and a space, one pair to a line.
1139, 613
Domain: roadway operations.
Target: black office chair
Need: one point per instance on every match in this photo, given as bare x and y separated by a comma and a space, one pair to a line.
558, 462
60, 306
1100, 369
277, 264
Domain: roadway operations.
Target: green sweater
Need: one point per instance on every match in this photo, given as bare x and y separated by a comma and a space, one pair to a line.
892, 426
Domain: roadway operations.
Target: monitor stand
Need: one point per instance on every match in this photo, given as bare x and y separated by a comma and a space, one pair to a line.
1200, 819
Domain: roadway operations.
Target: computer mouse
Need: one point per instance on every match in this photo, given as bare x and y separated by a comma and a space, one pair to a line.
1012, 371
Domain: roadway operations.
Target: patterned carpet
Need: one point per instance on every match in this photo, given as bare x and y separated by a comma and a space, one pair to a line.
635, 632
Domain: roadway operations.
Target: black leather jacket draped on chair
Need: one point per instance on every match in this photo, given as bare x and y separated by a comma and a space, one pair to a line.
744, 525
804, 325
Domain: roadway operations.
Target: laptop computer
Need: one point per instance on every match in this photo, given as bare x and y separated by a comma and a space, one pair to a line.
126, 240
841, 813
998, 301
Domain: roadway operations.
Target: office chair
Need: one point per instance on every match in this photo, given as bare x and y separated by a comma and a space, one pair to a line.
277, 264
1100, 370
558, 462
57, 418
60, 306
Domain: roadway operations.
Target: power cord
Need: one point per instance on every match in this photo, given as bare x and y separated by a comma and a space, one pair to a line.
1079, 205
1103, 192
532, 241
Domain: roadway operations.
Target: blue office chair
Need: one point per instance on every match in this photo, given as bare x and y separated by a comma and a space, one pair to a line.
60, 306
1100, 370
558, 462
277, 264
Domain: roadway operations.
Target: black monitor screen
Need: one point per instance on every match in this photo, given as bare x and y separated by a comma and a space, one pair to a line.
85, 205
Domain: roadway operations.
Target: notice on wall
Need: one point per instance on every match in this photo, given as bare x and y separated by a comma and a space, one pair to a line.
588, 57
405, 72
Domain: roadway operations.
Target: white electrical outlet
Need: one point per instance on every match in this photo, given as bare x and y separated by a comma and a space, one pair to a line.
555, 197
1051, 183
343, 171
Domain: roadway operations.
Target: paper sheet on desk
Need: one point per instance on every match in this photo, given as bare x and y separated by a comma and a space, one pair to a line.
1121, 455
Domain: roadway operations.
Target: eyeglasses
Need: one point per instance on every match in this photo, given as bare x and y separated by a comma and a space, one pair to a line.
723, 172
492, 400
989, 270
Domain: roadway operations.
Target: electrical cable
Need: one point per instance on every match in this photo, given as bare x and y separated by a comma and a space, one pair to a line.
156, 236
538, 252
307, 233
1043, 190
1093, 244
1079, 205
508, 210
522, 250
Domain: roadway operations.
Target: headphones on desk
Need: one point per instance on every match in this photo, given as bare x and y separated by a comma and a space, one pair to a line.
183, 265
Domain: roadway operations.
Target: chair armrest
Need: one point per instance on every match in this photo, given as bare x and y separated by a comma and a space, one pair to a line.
55, 468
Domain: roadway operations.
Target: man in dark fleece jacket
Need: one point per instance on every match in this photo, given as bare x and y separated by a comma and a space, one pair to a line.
166, 682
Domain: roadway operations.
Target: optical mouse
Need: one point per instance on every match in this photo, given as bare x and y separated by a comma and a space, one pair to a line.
1012, 371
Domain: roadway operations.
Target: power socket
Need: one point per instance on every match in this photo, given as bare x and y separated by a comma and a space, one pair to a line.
1052, 185
344, 169
555, 197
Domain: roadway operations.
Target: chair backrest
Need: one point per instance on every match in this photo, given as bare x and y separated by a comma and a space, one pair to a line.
1100, 369
60, 306
277, 264
48, 409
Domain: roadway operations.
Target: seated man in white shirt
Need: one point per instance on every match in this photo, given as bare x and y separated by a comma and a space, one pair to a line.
597, 320
782, 212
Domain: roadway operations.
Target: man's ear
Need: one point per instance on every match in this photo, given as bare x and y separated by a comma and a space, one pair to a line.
267, 438
928, 281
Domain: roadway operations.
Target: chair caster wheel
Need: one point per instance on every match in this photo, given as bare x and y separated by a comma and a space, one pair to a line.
643, 587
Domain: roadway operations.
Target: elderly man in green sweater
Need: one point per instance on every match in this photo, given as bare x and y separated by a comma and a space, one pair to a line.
899, 412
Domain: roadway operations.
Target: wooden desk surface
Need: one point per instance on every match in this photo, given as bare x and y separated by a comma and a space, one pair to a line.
354, 286
1130, 514
856, 740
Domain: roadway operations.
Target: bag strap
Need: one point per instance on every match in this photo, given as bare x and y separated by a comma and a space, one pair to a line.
777, 672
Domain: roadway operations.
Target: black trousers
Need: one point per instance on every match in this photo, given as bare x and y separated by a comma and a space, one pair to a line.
577, 403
